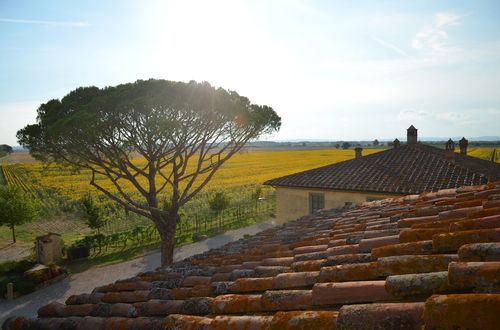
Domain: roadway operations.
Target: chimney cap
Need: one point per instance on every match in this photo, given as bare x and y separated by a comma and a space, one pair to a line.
411, 135
450, 145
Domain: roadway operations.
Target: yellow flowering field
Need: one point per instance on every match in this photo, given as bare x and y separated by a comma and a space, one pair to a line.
237, 178
242, 172
484, 153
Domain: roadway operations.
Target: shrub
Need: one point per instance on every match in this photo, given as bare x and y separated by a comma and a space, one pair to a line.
19, 266
21, 285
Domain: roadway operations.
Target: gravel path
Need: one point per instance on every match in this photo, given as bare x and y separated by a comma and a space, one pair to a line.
86, 281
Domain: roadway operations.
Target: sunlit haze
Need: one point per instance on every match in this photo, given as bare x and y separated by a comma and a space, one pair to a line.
333, 70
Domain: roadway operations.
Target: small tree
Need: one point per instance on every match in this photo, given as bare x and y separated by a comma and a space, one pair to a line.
375, 143
92, 213
337, 146
219, 202
346, 145
256, 195
16, 208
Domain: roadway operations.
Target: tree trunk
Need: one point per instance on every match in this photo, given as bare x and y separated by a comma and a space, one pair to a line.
168, 242
167, 230
13, 233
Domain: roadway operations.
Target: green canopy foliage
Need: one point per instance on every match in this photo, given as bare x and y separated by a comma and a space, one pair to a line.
93, 214
169, 124
16, 207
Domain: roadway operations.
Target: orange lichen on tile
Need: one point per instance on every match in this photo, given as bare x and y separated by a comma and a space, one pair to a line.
202, 290
450, 242
343, 249
272, 248
236, 303
462, 311
492, 221
282, 300
294, 280
349, 292
222, 322
415, 248
125, 296
412, 264
349, 272
427, 211
308, 266
408, 222
284, 261
186, 322
437, 224
421, 234
251, 284
298, 320
469, 275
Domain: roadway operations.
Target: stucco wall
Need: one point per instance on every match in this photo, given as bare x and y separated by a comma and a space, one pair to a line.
292, 203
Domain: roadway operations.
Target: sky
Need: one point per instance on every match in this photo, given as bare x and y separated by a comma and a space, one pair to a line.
333, 70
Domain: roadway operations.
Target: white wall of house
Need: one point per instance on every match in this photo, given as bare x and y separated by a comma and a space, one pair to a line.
292, 203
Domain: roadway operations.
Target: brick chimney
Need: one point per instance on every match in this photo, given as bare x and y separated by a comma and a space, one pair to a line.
449, 151
463, 146
411, 135
359, 152
396, 144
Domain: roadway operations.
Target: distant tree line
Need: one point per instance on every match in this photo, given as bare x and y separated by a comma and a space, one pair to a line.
6, 148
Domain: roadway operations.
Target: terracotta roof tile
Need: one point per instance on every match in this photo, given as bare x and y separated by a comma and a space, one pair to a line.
385, 316
298, 275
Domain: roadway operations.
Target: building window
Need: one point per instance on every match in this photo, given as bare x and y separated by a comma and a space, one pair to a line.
316, 202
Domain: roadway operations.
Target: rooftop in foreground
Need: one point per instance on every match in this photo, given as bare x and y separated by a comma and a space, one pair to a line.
430, 260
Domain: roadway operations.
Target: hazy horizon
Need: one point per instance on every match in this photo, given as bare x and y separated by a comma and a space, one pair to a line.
332, 70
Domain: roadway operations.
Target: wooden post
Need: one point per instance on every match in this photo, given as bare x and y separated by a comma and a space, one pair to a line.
10, 291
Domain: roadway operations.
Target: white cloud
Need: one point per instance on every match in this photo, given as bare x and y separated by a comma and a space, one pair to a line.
447, 19
411, 114
435, 38
390, 46
27, 21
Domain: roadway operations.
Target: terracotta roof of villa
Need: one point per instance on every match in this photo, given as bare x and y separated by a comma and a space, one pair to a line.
408, 169
428, 260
